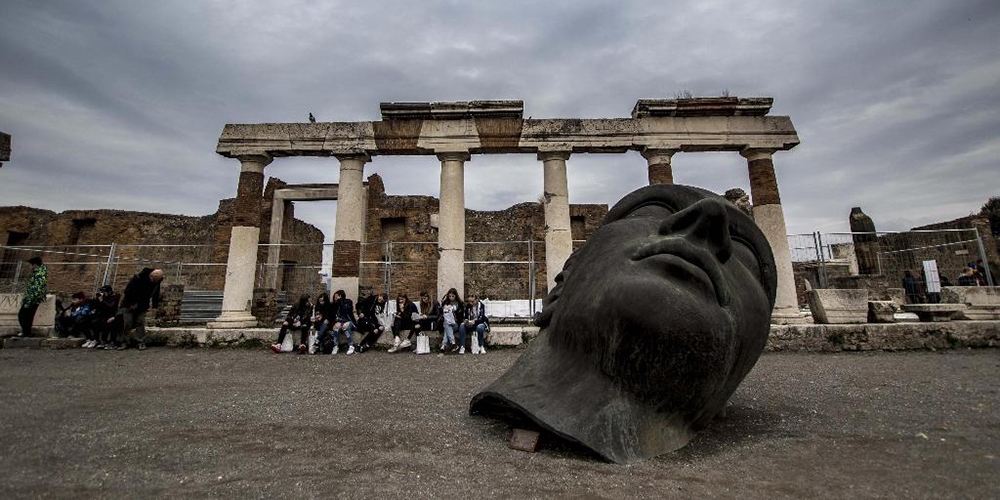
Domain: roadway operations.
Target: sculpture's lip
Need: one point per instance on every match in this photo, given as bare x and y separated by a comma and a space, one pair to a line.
694, 256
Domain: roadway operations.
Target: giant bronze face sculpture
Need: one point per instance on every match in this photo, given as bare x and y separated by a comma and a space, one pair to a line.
651, 326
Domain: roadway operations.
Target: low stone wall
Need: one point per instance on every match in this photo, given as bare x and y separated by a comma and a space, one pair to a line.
169, 311
45, 316
885, 337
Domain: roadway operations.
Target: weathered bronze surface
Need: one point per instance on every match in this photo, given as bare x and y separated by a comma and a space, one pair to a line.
650, 328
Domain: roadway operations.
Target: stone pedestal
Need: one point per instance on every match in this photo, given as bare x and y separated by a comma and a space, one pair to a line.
10, 304
770, 217
241, 266
558, 237
882, 311
834, 306
451, 223
350, 225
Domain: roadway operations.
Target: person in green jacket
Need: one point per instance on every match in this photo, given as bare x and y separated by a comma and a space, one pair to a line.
34, 294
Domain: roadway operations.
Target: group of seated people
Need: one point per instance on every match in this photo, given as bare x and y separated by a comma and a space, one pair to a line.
332, 318
97, 320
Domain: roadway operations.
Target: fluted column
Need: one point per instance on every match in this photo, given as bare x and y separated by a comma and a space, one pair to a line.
558, 237
658, 160
350, 225
241, 265
451, 223
770, 217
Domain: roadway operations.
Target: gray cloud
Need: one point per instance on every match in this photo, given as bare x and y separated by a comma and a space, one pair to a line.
118, 104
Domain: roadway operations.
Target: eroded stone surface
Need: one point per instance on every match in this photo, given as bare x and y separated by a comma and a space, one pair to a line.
831, 305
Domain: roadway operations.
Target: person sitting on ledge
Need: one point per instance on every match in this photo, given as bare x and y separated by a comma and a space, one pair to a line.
451, 316
106, 321
298, 319
402, 322
475, 319
344, 321
322, 321
430, 311
369, 310
75, 319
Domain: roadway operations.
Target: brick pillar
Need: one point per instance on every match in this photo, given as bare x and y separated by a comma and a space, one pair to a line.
241, 265
660, 171
350, 226
770, 217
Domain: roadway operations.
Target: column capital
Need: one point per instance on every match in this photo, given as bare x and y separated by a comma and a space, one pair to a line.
752, 154
453, 156
663, 155
254, 162
362, 157
554, 155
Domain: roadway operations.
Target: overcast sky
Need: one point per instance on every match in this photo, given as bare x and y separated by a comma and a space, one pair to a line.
119, 104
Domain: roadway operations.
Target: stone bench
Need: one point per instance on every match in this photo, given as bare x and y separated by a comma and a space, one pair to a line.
935, 312
982, 302
838, 306
45, 316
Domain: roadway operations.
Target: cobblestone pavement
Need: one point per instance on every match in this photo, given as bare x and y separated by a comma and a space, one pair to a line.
239, 423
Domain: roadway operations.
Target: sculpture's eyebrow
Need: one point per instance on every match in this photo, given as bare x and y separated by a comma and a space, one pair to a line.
657, 202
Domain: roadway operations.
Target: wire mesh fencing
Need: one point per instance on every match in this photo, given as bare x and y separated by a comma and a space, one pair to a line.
919, 262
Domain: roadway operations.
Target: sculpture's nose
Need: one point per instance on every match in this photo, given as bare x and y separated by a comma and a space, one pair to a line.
704, 223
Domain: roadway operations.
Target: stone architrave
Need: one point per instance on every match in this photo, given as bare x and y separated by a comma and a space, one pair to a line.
241, 266
451, 223
558, 237
768, 214
865, 241
350, 226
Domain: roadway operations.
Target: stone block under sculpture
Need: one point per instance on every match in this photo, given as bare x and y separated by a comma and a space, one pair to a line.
651, 326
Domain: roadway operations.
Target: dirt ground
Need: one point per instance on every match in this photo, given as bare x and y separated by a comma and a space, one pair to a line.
237, 423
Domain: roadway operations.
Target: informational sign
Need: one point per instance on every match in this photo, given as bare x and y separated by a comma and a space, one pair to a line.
931, 276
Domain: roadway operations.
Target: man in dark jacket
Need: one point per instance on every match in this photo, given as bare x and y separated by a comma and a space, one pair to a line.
141, 291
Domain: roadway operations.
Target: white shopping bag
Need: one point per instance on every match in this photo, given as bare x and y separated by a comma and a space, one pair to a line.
286, 346
475, 343
313, 338
423, 344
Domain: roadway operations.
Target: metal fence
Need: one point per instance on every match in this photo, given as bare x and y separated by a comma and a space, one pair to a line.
882, 260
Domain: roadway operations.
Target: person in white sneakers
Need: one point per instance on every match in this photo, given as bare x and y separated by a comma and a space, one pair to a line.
452, 308
344, 320
402, 322
475, 319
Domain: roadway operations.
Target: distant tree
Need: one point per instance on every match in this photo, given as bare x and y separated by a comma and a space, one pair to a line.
991, 210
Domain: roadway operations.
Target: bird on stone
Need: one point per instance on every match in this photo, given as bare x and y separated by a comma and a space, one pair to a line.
312, 119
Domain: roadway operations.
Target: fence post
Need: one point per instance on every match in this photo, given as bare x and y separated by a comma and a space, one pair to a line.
982, 255
531, 276
107, 268
387, 273
17, 276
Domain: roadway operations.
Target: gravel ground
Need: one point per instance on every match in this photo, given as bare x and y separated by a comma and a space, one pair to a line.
173, 422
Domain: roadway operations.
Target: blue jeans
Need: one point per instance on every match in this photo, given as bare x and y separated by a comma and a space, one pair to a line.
345, 326
449, 333
480, 333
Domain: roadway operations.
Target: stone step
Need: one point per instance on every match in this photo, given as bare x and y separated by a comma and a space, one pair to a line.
41, 343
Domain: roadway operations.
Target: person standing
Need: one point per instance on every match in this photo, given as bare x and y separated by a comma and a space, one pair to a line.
142, 291
911, 287
34, 294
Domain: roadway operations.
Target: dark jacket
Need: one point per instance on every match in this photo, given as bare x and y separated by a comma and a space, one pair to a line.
140, 291
477, 314
302, 315
369, 307
324, 310
106, 308
405, 321
343, 309
433, 315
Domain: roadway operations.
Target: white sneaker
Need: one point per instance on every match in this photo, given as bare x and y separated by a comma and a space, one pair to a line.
350, 350
89, 344
461, 350
336, 349
482, 350
405, 344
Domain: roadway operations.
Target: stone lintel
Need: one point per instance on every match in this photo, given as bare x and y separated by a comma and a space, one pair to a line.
432, 136
454, 110
703, 106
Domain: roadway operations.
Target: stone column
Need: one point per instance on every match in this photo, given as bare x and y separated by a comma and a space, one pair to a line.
274, 242
241, 265
658, 160
350, 226
558, 237
451, 223
768, 215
